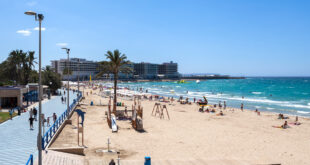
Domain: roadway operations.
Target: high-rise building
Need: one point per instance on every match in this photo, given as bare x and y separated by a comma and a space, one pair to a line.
169, 70
146, 70
78, 67
84, 69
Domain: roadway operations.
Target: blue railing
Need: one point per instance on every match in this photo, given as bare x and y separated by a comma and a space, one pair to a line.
30, 160
49, 134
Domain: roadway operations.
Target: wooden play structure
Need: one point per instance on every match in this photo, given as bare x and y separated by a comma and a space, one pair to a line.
159, 109
111, 119
109, 114
137, 115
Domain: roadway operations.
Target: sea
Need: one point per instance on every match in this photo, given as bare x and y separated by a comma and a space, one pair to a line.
288, 95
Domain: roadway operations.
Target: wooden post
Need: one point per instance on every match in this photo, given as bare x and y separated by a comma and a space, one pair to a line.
82, 135
78, 129
165, 107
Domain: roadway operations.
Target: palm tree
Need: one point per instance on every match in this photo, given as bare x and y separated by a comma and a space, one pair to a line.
117, 63
15, 65
30, 64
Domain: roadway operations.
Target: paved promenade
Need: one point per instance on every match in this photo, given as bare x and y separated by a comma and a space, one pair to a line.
17, 141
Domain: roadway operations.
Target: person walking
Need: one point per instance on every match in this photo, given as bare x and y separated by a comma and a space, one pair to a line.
241, 107
11, 113
112, 162
19, 111
30, 112
54, 117
35, 113
48, 121
31, 122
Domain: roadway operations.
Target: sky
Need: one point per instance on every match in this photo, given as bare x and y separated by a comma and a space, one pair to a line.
234, 37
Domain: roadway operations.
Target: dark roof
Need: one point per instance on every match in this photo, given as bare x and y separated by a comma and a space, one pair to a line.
11, 87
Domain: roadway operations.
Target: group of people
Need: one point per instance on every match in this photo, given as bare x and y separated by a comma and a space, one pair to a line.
33, 117
63, 99
285, 125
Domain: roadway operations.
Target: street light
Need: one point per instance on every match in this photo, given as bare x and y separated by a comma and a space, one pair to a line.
78, 79
39, 17
68, 86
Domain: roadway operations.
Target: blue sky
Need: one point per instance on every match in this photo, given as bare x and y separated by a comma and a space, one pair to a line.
235, 37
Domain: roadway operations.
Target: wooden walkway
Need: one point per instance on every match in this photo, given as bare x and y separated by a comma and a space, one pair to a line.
61, 158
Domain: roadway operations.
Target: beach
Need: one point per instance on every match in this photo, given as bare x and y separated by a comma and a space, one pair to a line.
189, 135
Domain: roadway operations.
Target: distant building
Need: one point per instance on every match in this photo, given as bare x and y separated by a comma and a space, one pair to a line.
143, 70
79, 67
146, 70
168, 70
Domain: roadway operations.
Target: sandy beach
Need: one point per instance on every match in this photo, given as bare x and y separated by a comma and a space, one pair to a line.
190, 135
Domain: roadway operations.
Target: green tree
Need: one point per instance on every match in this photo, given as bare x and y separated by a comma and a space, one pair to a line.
51, 79
28, 64
117, 63
18, 66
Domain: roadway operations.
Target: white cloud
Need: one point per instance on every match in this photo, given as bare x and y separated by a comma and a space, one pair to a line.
62, 44
24, 32
32, 3
37, 28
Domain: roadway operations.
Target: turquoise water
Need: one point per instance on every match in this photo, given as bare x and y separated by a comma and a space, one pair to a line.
285, 95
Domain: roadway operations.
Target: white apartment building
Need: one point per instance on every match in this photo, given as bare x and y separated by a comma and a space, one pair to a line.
79, 67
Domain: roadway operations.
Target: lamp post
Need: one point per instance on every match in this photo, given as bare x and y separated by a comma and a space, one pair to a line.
78, 78
68, 85
39, 17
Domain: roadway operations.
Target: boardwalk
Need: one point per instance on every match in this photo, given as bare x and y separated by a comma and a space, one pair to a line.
17, 141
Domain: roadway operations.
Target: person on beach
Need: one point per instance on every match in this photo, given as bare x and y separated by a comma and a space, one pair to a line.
284, 126
194, 100
241, 107
31, 122
201, 109
112, 162
296, 121
258, 113
224, 105
220, 114
35, 113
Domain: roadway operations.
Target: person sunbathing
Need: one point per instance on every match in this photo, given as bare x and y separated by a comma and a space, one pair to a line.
220, 114
212, 110
201, 109
280, 116
258, 113
207, 110
285, 125
296, 121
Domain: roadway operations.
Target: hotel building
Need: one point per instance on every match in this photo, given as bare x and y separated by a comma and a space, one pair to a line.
78, 67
